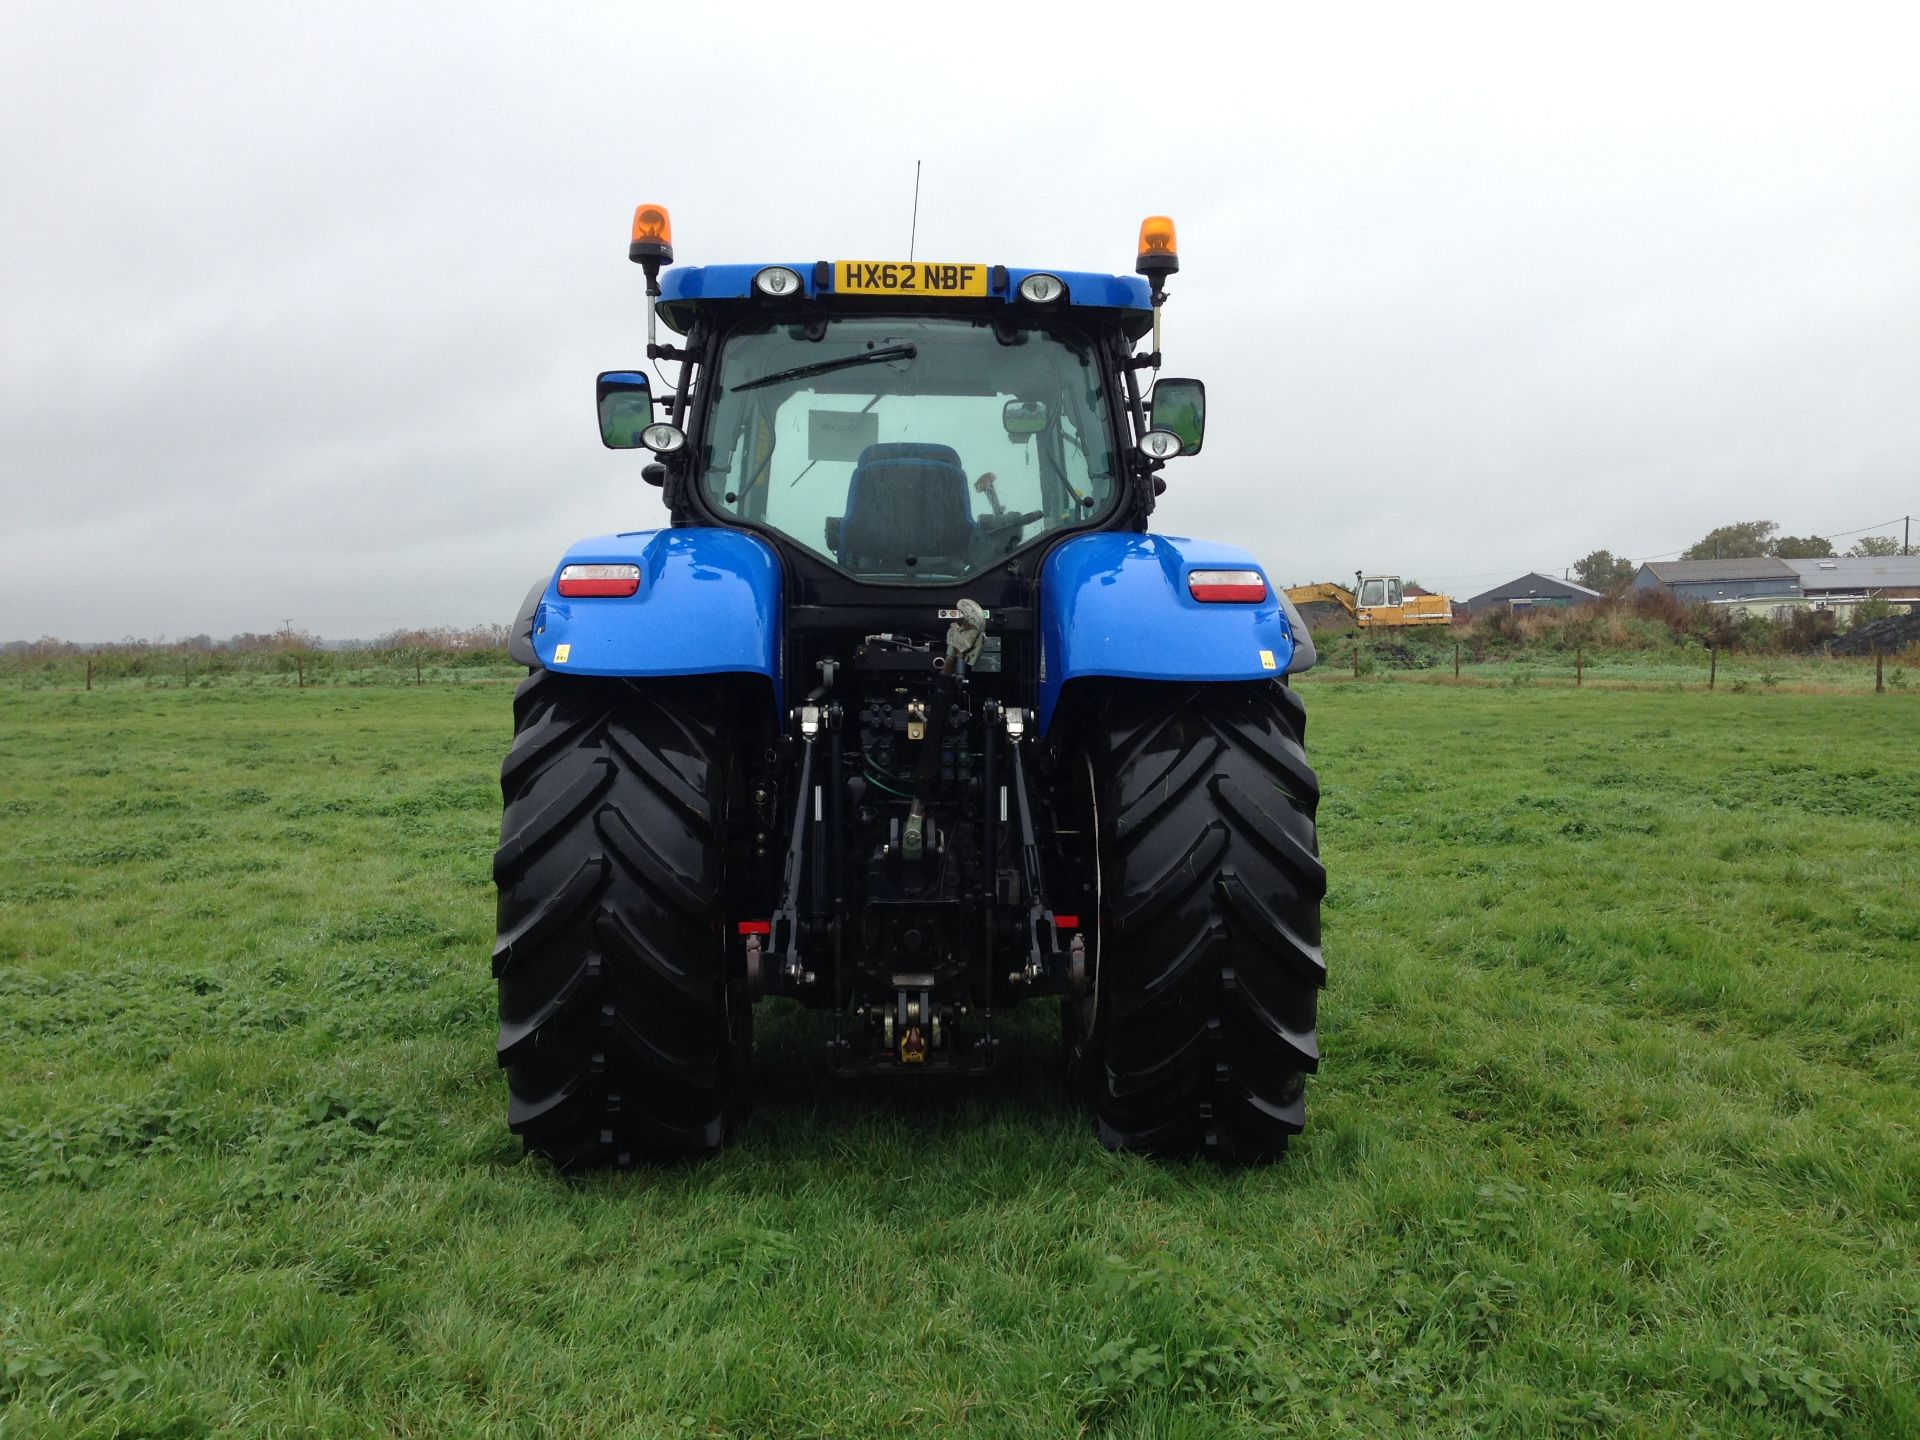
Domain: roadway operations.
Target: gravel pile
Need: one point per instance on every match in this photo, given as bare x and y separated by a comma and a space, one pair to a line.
1884, 637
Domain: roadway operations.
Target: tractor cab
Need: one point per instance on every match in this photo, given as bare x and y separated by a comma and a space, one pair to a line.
908, 450
906, 424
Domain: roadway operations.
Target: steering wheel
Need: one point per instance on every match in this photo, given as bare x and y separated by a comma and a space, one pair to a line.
1012, 520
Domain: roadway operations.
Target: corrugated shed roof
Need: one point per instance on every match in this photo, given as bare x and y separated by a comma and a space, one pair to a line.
1684, 572
1570, 584
1859, 572
1551, 586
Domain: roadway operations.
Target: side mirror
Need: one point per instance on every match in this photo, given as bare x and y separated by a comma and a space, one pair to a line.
625, 401
1022, 418
1181, 406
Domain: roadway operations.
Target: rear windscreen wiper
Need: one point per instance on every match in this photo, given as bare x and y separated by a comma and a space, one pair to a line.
821, 367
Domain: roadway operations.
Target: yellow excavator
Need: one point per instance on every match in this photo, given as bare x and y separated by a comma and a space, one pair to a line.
1377, 602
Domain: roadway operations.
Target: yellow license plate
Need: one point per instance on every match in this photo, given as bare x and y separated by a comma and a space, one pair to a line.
908, 277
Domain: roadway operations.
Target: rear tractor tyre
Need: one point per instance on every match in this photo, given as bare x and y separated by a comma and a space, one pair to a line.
619, 1034
1202, 1028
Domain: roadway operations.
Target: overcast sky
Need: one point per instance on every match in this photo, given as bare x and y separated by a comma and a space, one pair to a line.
301, 305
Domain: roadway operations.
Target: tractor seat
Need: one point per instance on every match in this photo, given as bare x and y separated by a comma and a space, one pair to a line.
906, 498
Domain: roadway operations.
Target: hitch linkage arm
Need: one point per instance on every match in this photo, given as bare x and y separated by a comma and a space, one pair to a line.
786, 919
1043, 947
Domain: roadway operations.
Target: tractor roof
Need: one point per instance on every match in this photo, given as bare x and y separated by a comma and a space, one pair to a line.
686, 290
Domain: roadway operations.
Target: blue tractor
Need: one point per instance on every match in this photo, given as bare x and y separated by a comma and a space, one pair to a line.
905, 716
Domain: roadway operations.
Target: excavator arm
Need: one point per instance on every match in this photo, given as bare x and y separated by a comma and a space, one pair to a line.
1324, 594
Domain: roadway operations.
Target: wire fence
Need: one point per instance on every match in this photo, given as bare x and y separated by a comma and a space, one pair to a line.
288, 670
1342, 660
1678, 668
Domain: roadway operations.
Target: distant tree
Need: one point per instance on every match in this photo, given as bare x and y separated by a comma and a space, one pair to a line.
445, 637
1742, 540
1874, 547
1874, 607
1802, 547
1604, 571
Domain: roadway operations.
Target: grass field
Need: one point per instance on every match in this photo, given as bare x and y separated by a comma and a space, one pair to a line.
1618, 1131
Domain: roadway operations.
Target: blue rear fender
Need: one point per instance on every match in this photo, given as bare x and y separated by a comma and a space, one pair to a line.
708, 604
1117, 605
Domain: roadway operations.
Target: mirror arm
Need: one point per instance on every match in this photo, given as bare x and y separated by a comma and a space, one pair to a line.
693, 354
1136, 408
675, 488
1148, 361
1149, 471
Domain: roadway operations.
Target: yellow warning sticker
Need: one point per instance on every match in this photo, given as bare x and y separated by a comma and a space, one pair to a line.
560, 653
1266, 660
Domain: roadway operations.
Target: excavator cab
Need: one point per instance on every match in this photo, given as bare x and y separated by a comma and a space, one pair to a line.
1377, 590
1381, 602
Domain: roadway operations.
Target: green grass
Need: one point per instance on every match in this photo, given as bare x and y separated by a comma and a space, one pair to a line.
1616, 1133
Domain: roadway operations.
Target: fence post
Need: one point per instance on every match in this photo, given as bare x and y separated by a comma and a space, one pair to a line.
1456, 659
1713, 665
89, 672
416, 670
1579, 666
1879, 673
300, 672
1356, 657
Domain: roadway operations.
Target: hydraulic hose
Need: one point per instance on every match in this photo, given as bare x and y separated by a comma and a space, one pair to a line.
965, 637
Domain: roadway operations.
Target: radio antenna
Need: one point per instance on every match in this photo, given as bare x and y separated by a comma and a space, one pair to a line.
914, 234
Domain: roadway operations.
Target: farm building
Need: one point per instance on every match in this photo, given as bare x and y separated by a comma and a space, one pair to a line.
1886, 577
1531, 591
1694, 581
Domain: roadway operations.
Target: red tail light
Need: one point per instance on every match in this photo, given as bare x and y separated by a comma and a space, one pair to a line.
587, 580
1244, 586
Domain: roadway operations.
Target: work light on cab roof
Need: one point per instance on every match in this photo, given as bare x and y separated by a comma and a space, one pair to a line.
777, 282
